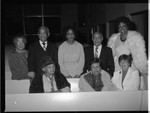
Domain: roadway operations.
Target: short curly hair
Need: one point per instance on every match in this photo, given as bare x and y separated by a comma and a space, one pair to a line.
16, 37
130, 24
125, 57
95, 60
66, 29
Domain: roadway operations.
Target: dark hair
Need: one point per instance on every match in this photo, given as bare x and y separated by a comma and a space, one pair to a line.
125, 57
131, 25
96, 60
19, 36
66, 29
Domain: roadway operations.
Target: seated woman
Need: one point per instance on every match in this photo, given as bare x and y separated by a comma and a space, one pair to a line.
17, 59
50, 80
126, 78
96, 80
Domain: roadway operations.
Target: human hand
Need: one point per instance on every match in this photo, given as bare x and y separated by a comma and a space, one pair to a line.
66, 89
31, 74
77, 76
68, 76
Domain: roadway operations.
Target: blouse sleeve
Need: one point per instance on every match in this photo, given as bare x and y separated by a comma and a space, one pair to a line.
81, 60
60, 60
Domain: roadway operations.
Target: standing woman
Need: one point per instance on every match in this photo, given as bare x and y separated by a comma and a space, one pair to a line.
71, 55
18, 59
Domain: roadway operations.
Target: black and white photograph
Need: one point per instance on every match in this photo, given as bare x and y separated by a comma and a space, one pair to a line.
88, 56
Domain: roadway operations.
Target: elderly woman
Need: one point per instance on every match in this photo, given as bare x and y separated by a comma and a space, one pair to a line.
71, 55
126, 78
51, 80
96, 80
128, 41
18, 59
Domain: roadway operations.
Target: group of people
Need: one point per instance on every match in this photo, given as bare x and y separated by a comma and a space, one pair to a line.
115, 67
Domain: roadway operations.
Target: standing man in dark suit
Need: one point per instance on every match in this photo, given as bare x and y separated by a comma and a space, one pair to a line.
38, 50
104, 54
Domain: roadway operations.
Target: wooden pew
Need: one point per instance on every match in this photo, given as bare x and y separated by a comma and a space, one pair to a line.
22, 86
17, 86
79, 101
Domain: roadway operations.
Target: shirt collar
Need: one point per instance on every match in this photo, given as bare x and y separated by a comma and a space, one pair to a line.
42, 44
99, 47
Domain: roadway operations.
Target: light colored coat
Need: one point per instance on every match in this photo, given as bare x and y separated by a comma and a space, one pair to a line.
105, 77
130, 82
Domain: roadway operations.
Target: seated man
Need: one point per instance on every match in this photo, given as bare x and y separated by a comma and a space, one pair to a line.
50, 80
96, 80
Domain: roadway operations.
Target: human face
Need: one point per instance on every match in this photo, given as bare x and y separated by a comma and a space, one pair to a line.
95, 68
70, 35
124, 64
20, 44
43, 34
123, 29
50, 69
97, 39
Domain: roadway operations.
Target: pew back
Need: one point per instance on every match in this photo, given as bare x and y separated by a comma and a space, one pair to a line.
83, 101
22, 86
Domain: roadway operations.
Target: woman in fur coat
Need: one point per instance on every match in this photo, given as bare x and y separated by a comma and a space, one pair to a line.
128, 41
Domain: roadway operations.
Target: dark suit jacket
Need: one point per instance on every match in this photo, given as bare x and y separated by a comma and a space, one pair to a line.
36, 52
106, 59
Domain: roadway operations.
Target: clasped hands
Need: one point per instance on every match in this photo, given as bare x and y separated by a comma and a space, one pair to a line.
76, 76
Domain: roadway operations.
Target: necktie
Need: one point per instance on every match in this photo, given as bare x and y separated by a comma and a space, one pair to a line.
51, 81
96, 52
44, 45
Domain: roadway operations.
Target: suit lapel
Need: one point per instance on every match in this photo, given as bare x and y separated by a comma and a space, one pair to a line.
92, 49
39, 45
127, 75
42, 47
